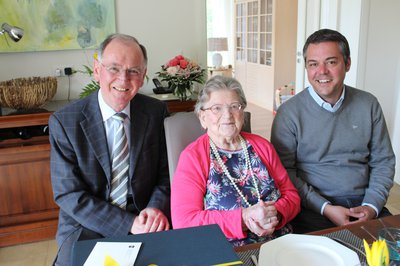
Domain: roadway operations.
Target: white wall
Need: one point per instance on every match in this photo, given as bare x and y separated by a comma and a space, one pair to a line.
382, 64
349, 24
166, 28
396, 127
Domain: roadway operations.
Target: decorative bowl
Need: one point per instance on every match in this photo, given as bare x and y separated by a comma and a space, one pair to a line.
27, 93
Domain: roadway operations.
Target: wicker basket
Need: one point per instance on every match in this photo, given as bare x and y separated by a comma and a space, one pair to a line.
27, 93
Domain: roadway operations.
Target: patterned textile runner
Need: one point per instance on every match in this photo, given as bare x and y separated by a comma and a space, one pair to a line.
344, 235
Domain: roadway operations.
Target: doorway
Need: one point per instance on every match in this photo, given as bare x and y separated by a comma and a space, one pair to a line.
261, 37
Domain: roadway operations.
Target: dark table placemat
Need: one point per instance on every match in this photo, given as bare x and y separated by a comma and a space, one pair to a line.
344, 235
350, 238
245, 256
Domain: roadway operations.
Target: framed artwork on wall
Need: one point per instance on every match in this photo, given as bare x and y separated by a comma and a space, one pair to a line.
57, 24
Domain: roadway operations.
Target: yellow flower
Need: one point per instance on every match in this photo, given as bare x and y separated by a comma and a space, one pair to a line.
109, 261
378, 254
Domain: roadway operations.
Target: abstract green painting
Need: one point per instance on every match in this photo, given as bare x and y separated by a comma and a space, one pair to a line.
57, 24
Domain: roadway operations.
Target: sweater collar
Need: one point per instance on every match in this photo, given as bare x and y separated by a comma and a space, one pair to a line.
327, 106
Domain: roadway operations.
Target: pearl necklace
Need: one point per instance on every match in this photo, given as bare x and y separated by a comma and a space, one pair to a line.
227, 174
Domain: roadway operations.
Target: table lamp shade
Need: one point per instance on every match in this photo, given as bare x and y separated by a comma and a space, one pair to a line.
217, 45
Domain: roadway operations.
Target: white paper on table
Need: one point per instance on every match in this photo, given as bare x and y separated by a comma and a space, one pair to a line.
125, 253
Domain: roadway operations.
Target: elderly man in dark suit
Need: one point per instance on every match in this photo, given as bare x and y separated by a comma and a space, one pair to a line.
110, 174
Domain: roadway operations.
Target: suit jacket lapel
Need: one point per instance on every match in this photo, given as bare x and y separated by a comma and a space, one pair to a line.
94, 131
139, 122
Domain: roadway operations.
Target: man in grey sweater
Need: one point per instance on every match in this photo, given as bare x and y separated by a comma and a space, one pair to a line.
333, 141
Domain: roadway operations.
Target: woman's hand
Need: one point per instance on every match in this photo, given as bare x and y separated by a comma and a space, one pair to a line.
261, 218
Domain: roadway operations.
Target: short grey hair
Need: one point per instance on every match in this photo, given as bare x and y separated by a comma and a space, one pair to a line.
219, 83
123, 37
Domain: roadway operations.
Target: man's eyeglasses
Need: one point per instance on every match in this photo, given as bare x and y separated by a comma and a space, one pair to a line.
118, 71
218, 109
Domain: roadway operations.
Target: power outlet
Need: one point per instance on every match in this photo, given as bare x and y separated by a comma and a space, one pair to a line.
63, 71
58, 72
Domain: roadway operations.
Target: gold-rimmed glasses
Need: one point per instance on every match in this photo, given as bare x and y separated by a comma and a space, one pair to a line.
116, 70
218, 109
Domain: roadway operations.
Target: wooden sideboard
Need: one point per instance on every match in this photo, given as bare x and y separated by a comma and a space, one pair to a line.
227, 72
27, 209
174, 104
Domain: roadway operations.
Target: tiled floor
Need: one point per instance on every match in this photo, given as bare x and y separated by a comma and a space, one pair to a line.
35, 254
42, 253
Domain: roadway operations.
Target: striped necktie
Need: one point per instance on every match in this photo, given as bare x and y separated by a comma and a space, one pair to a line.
120, 164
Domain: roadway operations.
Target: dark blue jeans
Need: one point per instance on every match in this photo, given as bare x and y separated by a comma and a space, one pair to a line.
308, 220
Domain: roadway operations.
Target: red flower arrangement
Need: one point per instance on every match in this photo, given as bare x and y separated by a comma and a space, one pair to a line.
181, 73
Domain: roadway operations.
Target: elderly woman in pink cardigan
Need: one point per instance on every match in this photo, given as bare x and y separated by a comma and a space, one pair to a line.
229, 177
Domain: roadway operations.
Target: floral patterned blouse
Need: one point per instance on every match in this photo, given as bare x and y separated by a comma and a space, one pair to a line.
221, 194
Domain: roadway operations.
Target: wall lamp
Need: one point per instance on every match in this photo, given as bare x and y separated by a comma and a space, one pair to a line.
15, 33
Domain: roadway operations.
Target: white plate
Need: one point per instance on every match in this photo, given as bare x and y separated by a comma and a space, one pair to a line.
302, 250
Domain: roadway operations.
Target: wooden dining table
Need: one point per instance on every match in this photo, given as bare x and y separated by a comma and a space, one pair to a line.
372, 226
368, 230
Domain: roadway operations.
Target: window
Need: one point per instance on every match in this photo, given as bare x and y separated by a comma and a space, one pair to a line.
241, 31
254, 31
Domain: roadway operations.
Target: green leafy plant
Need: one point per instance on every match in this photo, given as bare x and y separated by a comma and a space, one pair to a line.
92, 86
89, 89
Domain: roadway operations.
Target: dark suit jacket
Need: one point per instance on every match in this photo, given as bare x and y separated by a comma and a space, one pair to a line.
81, 168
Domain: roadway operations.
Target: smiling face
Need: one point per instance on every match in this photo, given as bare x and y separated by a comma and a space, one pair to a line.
326, 70
223, 128
120, 72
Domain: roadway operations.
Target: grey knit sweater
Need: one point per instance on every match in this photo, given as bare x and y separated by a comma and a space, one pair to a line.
345, 153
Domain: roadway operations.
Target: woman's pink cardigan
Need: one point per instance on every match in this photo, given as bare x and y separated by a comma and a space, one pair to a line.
189, 188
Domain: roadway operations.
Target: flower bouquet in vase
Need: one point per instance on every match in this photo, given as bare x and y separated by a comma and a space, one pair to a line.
181, 73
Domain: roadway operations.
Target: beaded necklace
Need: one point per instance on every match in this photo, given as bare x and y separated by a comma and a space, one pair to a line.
228, 175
